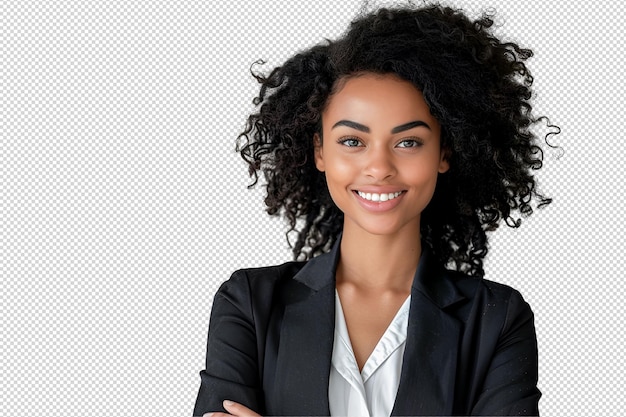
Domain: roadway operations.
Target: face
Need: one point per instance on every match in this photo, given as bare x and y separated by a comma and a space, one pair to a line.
380, 152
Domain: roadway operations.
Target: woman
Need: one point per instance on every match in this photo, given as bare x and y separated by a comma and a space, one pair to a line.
391, 152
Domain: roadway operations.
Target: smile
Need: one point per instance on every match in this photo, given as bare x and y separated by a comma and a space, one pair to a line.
379, 197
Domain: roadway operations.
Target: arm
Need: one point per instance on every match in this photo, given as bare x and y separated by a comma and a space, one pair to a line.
510, 387
235, 409
231, 362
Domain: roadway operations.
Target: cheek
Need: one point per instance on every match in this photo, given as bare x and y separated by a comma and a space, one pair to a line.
421, 172
340, 169
339, 176
423, 177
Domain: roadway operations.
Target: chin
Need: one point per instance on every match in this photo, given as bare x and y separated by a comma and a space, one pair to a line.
382, 228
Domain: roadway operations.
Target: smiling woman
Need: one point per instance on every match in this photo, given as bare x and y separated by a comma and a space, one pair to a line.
398, 147
381, 156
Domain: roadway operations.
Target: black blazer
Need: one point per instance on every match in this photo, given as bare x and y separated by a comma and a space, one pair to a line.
470, 350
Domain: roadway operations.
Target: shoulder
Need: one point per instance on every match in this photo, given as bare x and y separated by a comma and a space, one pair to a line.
260, 278
498, 327
252, 288
475, 287
490, 300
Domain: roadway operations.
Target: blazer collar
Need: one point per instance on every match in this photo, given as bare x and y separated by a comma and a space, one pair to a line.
306, 341
319, 272
432, 280
429, 279
429, 364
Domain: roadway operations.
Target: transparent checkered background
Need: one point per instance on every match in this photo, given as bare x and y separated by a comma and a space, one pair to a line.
124, 205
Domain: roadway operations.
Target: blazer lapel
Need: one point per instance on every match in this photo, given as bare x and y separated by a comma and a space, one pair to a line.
307, 332
430, 358
306, 342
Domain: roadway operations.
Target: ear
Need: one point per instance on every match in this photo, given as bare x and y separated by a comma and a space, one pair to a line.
318, 152
444, 162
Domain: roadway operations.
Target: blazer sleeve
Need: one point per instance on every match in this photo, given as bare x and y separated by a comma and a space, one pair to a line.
231, 359
510, 387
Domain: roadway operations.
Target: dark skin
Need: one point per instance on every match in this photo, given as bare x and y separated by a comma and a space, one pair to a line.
381, 156
390, 145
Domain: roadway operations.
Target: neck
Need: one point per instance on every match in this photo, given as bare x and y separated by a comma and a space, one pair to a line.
379, 262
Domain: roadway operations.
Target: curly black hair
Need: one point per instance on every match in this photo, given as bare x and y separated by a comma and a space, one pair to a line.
476, 86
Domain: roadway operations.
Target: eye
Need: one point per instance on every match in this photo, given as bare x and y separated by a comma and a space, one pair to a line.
409, 143
349, 142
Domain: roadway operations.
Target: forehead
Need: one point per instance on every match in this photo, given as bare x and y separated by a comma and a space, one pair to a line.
382, 98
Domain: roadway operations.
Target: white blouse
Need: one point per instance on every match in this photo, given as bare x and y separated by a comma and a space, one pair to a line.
371, 392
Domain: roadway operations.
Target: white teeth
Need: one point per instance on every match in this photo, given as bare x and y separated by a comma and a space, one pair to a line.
379, 197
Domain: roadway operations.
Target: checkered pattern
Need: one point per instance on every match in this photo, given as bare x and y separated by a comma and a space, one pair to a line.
124, 205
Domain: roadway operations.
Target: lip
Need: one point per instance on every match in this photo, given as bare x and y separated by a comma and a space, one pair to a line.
378, 206
379, 190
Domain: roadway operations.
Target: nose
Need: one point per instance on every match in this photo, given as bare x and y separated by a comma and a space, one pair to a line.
379, 164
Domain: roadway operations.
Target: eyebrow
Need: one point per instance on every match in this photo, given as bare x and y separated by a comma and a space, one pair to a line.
410, 125
397, 129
